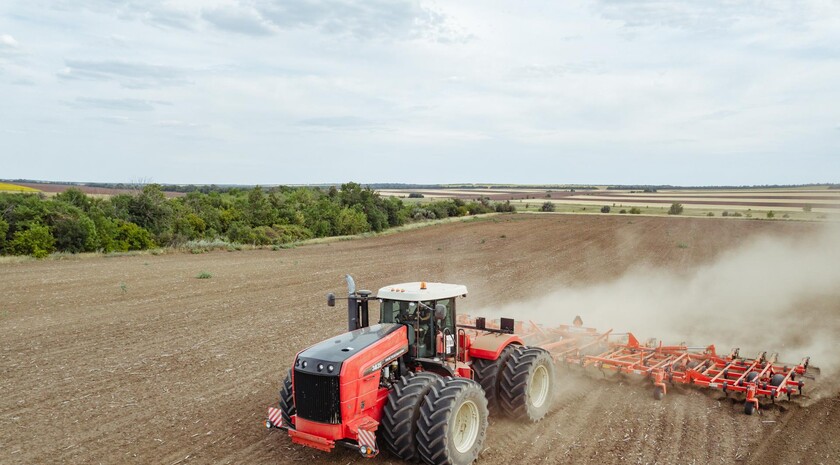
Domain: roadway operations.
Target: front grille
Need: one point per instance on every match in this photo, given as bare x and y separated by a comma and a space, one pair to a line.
317, 397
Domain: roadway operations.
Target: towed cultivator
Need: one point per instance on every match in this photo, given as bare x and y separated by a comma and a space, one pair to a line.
422, 380
760, 377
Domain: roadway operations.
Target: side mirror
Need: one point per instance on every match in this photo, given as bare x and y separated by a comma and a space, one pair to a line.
440, 312
331, 300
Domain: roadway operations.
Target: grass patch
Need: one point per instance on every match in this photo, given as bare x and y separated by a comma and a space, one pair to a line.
204, 275
682, 245
203, 245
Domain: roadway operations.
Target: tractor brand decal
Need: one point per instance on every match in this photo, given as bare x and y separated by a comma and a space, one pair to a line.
378, 365
275, 416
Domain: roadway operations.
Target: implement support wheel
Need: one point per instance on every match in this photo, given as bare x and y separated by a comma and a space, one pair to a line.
658, 393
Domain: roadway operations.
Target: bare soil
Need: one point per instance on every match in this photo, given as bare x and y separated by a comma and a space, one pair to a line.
133, 359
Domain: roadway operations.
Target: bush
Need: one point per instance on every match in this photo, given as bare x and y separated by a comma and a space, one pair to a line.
770, 214
416, 195
623, 211
130, 236
635, 211
806, 208
725, 213
676, 209
4, 229
505, 207
36, 241
605, 209
286, 233
738, 214
710, 214
351, 221
74, 232
547, 207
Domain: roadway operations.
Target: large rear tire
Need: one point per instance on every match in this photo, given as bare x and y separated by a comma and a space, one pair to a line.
527, 384
453, 422
488, 374
287, 400
398, 429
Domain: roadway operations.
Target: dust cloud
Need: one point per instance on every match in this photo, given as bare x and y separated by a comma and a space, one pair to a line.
772, 294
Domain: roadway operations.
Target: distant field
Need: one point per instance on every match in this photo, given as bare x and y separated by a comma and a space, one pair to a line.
820, 202
6, 187
52, 189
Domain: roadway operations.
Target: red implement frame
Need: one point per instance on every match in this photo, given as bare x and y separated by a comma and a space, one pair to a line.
761, 376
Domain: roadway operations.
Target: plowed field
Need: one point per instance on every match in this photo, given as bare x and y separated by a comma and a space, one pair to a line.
134, 360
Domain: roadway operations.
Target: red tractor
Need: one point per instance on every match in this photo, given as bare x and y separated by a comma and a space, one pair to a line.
416, 383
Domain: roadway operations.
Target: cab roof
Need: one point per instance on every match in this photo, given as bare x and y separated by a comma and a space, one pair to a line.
413, 292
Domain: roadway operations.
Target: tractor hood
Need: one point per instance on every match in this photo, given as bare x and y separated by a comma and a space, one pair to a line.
336, 350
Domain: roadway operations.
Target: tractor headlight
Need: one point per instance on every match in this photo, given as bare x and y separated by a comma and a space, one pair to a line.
303, 364
320, 367
268, 424
330, 368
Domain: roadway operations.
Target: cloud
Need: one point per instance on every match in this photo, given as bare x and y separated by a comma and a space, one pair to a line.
8, 41
168, 17
126, 104
337, 122
717, 115
699, 15
239, 20
540, 71
153, 12
131, 75
117, 120
360, 19
368, 19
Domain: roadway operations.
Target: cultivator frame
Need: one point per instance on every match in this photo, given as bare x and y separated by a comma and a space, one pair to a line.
760, 377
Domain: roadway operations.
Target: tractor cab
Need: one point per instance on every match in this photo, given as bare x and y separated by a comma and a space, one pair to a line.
428, 309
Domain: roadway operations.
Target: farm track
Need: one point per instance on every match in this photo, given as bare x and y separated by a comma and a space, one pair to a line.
133, 359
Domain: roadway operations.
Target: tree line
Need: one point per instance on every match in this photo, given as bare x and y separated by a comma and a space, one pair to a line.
36, 225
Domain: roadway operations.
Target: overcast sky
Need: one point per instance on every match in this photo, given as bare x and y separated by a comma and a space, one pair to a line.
311, 91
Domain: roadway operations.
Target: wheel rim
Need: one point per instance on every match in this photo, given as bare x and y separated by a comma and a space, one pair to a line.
540, 384
465, 426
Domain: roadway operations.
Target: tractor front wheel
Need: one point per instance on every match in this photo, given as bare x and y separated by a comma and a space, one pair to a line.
527, 385
453, 422
287, 400
398, 429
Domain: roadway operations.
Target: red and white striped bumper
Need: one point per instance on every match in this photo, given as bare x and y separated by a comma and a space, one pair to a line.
275, 418
367, 442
